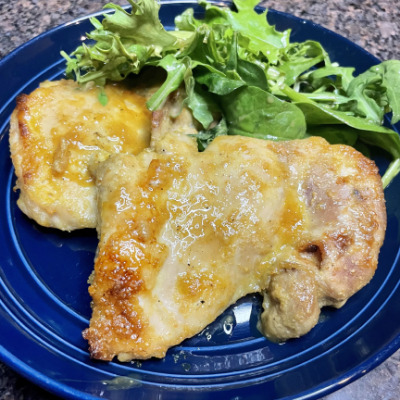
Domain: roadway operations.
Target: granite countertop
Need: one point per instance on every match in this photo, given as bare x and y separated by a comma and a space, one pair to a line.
373, 24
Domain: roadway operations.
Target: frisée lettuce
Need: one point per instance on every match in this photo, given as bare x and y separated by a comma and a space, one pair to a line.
236, 65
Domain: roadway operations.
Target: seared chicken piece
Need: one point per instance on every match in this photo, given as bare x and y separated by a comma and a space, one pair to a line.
184, 234
54, 133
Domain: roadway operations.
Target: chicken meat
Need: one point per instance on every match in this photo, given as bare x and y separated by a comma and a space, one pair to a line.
55, 131
184, 234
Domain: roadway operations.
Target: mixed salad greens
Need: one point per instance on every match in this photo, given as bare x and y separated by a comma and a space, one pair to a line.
236, 66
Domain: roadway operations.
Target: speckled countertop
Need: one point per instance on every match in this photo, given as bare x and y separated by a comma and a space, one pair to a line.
373, 24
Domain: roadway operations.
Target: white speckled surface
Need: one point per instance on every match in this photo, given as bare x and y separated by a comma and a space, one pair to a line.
373, 24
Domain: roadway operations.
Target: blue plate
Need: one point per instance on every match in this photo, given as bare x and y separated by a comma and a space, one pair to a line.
44, 305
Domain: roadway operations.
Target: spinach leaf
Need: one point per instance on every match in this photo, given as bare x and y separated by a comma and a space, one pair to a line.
368, 132
201, 103
251, 111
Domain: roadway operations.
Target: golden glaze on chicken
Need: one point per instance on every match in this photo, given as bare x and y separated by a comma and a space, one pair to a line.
55, 132
184, 234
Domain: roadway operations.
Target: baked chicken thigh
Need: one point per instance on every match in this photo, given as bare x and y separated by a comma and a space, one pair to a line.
185, 234
55, 131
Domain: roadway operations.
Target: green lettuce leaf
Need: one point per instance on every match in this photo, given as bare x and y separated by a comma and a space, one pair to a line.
123, 43
244, 77
251, 111
261, 37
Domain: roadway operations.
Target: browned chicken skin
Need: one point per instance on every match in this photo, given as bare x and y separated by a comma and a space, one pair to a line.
184, 234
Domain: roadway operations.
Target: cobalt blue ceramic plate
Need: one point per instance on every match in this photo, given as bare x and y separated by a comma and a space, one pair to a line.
44, 304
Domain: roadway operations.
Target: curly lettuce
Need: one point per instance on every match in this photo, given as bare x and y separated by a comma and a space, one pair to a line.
236, 65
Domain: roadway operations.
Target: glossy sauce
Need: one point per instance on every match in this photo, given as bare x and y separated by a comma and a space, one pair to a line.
65, 126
